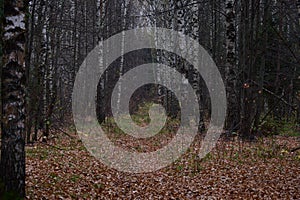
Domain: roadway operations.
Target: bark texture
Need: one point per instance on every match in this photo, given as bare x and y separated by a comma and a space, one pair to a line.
231, 78
13, 97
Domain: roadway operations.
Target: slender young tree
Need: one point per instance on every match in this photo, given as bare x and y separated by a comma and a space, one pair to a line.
13, 97
233, 110
298, 6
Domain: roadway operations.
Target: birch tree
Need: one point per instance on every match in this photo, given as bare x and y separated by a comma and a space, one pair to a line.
13, 97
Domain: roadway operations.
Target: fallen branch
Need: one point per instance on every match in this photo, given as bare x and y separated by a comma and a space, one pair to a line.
55, 147
64, 132
295, 149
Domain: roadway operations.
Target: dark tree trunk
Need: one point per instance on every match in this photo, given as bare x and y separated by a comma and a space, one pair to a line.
298, 5
231, 77
29, 104
13, 98
246, 60
262, 68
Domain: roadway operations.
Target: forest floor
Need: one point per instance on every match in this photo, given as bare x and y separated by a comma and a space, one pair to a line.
63, 169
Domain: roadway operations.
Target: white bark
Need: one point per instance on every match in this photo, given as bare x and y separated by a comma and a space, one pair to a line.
12, 167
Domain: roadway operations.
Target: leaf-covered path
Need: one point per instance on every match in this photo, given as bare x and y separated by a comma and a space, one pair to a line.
262, 170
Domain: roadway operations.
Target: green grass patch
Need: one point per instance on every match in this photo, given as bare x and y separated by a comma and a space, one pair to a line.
37, 152
272, 126
74, 178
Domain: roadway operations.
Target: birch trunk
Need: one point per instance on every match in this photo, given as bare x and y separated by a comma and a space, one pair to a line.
13, 98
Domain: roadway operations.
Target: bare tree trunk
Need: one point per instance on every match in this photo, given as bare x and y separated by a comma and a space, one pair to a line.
233, 105
13, 98
29, 104
249, 54
246, 104
260, 102
278, 82
298, 5
46, 71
